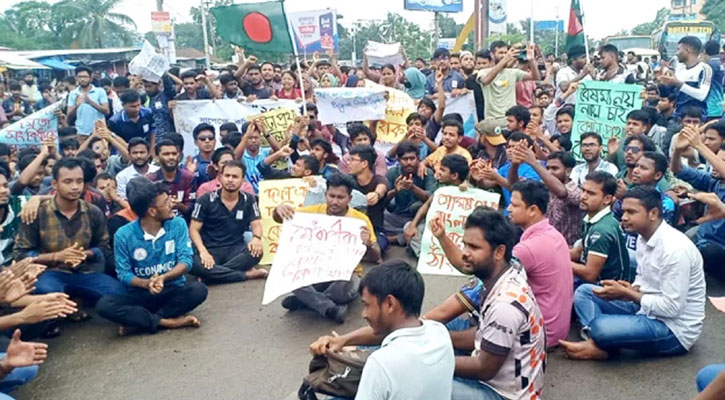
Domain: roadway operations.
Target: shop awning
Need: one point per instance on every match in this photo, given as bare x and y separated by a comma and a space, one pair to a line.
56, 63
16, 62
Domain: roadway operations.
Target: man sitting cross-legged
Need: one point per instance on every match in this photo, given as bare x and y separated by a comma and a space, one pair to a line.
152, 255
662, 312
218, 221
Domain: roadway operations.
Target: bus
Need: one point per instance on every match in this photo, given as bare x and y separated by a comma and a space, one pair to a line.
666, 38
632, 41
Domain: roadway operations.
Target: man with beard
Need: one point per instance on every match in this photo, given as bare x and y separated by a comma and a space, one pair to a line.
612, 70
253, 85
304, 166
29, 90
634, 147
15, 107
661, 313
217, 221
159, 103
193, 88
138, 150
453, 81
230, 87
180, 182
87, 103
152, 255
591, 151
408, 192
692, 78
578, 70
268, 75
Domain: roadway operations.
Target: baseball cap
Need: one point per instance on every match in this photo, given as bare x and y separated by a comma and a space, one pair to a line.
492, 130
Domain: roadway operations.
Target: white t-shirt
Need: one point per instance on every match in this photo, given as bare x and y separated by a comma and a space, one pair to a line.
412, 363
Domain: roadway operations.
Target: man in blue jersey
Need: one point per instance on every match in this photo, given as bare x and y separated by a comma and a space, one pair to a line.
692, 77
152, 255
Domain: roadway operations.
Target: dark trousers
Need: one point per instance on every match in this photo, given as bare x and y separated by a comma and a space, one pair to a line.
230, 264
141, 309
323, 296
712, 257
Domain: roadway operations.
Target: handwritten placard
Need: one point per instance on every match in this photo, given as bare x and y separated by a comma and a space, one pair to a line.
454, 206
337, 105
602, 107
33, 129
393, 128
271, 194
148, 64
314, 248
380, 53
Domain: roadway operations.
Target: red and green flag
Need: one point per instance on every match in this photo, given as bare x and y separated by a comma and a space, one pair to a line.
575, 32
255, 26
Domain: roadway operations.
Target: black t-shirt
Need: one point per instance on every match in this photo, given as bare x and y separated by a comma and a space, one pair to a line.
472, 84
201, 94
375, 213
264, 93
223, 227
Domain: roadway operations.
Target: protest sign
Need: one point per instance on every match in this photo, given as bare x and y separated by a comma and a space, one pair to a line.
453, 206
336, 105
380, 53
148, 64
190, 113
314, 248
271, 194
393, 128
276, 122
602, 107
33, 129
465, 106
314, 30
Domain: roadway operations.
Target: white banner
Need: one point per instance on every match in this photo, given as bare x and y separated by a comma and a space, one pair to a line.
465, 106
453, 206
33, 129
381, 53
338, 105
190, 113
148, 64
314, 248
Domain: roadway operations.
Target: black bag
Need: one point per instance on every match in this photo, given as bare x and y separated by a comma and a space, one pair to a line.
334, 374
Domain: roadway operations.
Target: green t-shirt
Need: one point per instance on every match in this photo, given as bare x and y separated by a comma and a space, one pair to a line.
10, 228
500, 94
603, 237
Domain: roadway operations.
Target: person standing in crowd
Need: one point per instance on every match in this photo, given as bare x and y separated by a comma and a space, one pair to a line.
15, 107
253, 86
611, 69
134, 120
715, 96
692, 79
578, 70
194, 90
86, 103
591, 150
453, 81
158, 295
160, 94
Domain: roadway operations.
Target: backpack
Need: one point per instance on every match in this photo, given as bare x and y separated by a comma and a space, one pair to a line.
334, 374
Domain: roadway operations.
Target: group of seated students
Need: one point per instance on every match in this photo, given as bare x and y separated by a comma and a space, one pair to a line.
117, 217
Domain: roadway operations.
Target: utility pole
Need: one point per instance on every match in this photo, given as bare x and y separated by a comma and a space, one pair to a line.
211, 31
436, 30
556, 40
159, 5
206, 36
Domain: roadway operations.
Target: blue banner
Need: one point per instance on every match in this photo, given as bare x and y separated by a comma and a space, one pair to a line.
549, 25
451, 6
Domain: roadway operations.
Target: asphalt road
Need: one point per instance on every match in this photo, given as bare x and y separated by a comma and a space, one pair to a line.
248, 351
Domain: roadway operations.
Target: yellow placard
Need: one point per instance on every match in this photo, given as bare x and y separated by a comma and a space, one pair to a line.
399, 106
276, 123
271, 194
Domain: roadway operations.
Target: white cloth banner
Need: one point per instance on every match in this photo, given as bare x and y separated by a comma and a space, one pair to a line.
190, 113
314, 248
453, 206
148, 64
381, 53
465, 106
33, 129
339, 105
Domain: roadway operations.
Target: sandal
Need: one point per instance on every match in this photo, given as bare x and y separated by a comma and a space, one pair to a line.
79, 316
51, 332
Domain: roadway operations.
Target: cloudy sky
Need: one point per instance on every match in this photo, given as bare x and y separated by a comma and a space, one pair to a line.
602, 18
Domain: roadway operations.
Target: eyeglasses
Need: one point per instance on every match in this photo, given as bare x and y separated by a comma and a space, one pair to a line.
357, 159
633, 149
589, 145
205, 138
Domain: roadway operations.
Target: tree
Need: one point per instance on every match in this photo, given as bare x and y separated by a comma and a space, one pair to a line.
648, 27
97, 26
714, 10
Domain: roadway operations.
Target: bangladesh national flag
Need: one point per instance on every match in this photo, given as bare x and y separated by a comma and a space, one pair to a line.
255, 26
575, 32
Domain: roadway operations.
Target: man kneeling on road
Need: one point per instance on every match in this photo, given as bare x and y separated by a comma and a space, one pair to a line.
152, 255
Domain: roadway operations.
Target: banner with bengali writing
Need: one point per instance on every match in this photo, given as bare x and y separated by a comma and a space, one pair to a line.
314, 248
339, 105
277, 122
271, 194
454, 206
393, 128
33, 129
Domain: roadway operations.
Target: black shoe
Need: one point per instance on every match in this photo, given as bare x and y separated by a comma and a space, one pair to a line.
336, 313
292, 303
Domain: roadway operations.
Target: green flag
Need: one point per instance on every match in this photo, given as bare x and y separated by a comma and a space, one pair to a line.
575, 32
255, 26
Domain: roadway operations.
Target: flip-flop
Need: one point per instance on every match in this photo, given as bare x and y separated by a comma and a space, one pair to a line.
79, 316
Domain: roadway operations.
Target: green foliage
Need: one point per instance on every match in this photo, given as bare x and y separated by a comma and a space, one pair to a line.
648, 27
714, 10
393, 29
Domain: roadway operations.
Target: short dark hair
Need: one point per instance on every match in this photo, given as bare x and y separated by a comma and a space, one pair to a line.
310, 107
565, 157
121, 82
366, 153
398, 279
201, 128
518, 136
218, 153
188, 74
718, 127
497, 230
670, 97
233, 138
497, 45
609, 48
70, 79
89, 168
452, 122
129, 96
521, 113
438, 53
405, 147
607, 180
103, 176
89, 154
25, 160
138, 141
587, 135
226, 78
237, 164
165, 142
356, 129
566, 111
649, 196
69, 143
425, 101
14, 86
414, 116
641, 116
254, 67
67, 163
692, 112
576, 51
176, 138
692, 42
322, 143
564, 141
141, 193
105, 82
4, 170
534, 193
229, 127
4, 149
659, 159
339, 179
83, 68
486, 54
457, 164
67, 131
712, 47
311, 163
647, 143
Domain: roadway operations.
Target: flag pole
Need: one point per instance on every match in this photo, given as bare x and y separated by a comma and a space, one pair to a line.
584, 32
297, 60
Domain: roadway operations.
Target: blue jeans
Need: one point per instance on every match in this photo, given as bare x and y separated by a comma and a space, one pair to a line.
707, 375
615, 324
469, 389
92, 285
18, 377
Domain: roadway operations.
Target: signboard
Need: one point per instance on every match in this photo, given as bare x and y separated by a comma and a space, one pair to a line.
314, 248
380, 53
314, 30
33, 129
148, 64
271, 194
337, 105
549, 25
497, 16
453, 206
161, 22
451, 6
602, 107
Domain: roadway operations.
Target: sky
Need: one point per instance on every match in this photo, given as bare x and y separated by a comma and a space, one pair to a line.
601, 18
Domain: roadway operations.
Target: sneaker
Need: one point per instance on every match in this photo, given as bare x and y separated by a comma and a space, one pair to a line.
337, 313
292, 303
